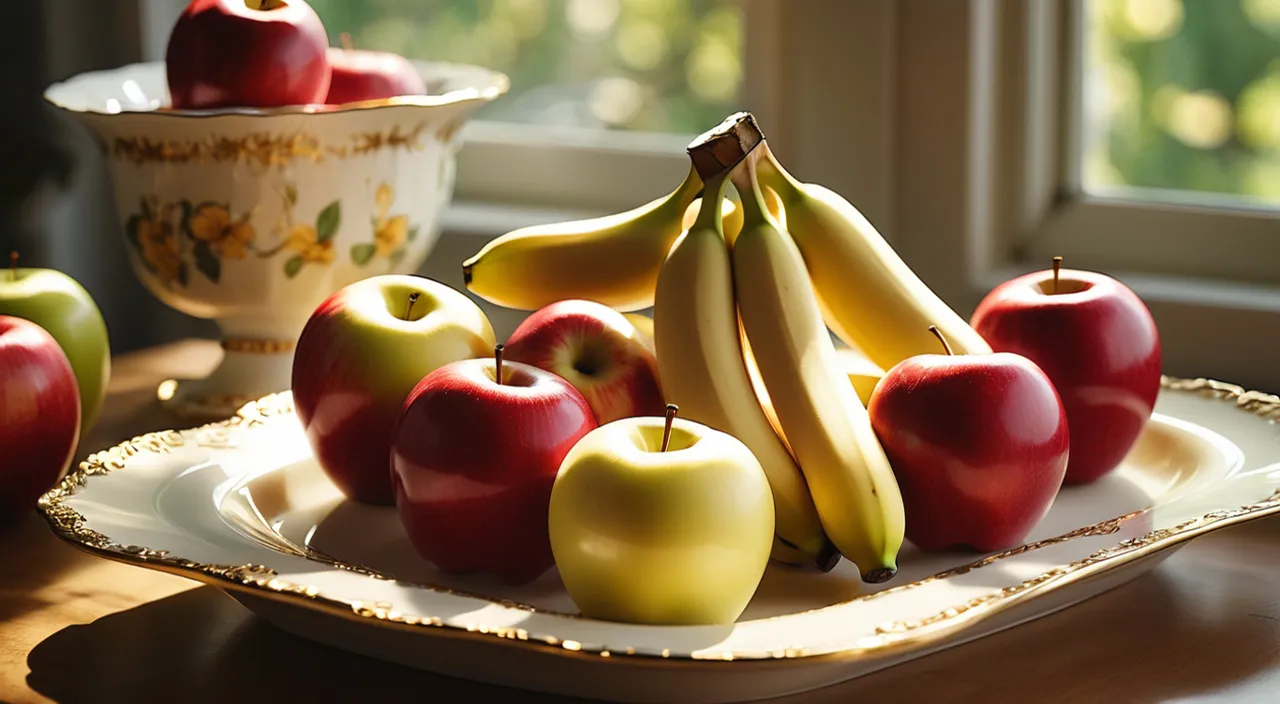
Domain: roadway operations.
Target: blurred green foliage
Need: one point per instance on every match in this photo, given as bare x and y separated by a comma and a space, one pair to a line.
658, 65
1183, 94
1179, 94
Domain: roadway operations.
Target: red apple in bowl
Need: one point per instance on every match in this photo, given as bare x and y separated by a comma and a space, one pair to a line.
359, 75
1098, 344
475, 453
599, 351
978, 444
40, 408
247, 53
361, 352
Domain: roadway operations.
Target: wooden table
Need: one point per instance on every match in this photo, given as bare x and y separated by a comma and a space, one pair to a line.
1205, 625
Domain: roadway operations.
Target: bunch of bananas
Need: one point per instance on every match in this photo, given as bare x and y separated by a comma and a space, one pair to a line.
743, 295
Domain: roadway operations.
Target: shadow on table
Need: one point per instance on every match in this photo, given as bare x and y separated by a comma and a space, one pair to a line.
201, 646
1099, 651
33, 557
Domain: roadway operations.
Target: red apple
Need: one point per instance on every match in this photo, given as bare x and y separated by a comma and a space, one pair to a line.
473, 461
371, 75
1098, 344
39, 415
978, 444
599, 351
361, 352
247, 53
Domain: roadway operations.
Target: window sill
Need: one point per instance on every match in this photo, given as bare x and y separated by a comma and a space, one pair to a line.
488, 219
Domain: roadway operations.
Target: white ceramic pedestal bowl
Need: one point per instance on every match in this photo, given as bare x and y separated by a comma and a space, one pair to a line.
251, 217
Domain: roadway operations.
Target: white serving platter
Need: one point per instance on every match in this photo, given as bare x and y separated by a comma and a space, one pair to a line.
242, 505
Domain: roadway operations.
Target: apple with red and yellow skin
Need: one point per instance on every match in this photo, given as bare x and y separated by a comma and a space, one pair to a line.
599, 351
475, 453
1098, 344
978, 444
247, 53
358, 75
39, 415
360, 354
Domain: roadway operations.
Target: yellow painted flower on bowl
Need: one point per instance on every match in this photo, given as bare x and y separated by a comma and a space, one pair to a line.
227, 238
304, 240
311, 244
153, 235
391, 233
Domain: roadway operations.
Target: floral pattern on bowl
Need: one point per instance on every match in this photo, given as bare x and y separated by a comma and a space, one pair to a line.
251, 217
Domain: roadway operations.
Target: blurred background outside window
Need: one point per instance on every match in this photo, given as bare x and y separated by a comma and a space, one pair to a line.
649, 65
1183, 96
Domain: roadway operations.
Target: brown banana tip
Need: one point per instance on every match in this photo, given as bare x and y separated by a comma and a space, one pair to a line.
722, 147
466, 274
879, 576
828, 558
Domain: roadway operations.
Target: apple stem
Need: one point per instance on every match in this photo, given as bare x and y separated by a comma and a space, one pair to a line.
672, 410
13, 266
347, 44
413, 298
941, 338
1057, 269
497, 363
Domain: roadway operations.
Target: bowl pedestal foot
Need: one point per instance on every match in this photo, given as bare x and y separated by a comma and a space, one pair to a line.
250, 369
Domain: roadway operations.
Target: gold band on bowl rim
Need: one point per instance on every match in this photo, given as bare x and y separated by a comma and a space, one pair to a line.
891, 638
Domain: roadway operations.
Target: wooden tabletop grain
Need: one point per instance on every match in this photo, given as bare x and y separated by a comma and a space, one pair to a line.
1204, 626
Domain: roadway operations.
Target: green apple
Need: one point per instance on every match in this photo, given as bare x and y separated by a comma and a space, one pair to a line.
60, 305
677, 537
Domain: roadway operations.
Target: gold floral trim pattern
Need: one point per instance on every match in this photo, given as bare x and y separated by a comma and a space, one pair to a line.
264, 148
263, 581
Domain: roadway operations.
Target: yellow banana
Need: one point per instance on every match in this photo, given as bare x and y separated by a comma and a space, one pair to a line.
643, 325
612, 260
862, 372
732, 215
828, 428
869, 297
701, 369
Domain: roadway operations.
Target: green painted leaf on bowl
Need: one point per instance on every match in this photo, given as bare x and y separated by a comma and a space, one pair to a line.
327, 222
362, 253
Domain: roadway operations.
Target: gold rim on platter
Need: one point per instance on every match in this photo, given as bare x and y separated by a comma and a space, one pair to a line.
262, 581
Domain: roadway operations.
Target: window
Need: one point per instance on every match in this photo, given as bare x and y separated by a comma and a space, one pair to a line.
1027, 129
605, 93
644, 65
1183, 96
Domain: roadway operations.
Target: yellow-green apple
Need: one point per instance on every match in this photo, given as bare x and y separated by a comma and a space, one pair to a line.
598, 350
247, 53
646, 535
360, 354
359, 75
39, 415
978, 444
475, 453
60, 305
1097, 342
